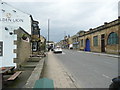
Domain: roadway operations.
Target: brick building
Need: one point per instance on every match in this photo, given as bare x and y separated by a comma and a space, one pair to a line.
42, 43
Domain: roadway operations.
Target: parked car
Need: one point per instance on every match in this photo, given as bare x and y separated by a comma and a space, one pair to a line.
57, 49
115, 85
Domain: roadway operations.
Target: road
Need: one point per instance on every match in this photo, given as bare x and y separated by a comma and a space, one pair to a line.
89, 70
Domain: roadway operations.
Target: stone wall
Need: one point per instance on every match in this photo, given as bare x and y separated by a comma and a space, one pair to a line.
105, 29
23, 47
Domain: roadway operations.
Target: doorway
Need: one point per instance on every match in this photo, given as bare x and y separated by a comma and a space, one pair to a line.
103, 43
87, 46
34, 46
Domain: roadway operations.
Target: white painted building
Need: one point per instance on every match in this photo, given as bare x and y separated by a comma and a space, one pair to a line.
11, 19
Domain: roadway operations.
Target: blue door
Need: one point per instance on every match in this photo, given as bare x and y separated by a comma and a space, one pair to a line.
87, 47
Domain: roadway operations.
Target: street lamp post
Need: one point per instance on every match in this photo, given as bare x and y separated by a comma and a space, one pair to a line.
48, 30
48, 34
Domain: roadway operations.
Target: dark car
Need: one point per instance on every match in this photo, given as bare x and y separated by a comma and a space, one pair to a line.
115, 85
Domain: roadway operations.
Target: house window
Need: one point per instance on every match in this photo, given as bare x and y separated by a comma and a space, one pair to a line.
95, 40
34, 46
112, 38
82, 43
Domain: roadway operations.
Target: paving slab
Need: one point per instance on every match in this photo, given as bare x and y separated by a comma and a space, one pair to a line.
54, 70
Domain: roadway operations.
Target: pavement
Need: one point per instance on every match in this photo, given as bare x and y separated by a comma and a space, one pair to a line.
55, 71
103, 54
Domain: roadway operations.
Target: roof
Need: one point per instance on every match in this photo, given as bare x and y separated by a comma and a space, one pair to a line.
14, 7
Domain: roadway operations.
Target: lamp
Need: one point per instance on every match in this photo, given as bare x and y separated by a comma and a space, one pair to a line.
6, 28
11, 33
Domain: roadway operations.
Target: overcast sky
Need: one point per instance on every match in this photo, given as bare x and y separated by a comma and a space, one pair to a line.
67, 17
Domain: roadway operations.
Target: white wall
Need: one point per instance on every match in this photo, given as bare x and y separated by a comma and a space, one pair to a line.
1, 35
12, 19
18, 18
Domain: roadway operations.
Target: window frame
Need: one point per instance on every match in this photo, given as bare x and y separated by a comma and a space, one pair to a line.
81, 44
113, 39
95, 40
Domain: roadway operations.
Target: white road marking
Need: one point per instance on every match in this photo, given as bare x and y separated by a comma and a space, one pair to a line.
107, 62
80, 51
106, 76
87, 52
63, 53
96, 53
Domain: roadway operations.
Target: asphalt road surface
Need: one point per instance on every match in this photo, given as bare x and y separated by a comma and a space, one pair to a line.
89, 70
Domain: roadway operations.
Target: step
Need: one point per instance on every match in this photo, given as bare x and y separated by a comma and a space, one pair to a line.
28, 66
35, 58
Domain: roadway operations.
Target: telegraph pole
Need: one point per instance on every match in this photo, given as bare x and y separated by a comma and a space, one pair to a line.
48, 35
48, 30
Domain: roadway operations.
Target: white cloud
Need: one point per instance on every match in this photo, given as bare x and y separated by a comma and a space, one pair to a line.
62, 1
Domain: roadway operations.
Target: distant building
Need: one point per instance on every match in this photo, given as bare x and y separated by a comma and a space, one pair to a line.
61, 43
75, 41
105, 38
42, 43
66, 42
50, 44
35, 35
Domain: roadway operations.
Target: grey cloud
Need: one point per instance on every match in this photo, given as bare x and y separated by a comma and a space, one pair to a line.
69, 17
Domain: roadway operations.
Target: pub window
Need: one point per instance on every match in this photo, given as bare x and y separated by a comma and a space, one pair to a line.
112, 38
95, 40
